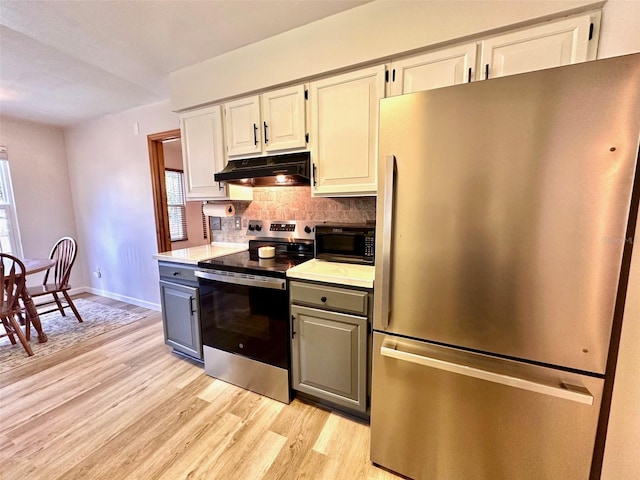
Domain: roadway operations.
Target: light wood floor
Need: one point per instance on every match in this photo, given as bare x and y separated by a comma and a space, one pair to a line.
122, 406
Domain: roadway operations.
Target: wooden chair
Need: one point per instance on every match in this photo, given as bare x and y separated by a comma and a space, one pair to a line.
11, 289
56, 280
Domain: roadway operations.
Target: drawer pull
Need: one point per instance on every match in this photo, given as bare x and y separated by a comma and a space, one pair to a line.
323, 299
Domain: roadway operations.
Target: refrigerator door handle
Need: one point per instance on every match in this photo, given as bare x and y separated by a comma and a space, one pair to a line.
383, 266
574, 393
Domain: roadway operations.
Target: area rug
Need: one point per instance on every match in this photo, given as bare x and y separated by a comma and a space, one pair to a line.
64, 332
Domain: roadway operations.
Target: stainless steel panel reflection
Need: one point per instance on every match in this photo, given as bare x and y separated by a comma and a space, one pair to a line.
244, 372
510, 210
428, 423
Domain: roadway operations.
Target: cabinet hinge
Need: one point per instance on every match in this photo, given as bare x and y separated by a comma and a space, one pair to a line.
386, 76
306, 94
590, 31
306, 137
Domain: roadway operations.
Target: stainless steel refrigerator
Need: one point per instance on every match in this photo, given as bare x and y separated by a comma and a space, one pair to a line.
506, 215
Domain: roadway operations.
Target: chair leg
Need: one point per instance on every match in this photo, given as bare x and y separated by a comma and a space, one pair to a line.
24, 320
18, 331
73, 307
60, 307
9, 329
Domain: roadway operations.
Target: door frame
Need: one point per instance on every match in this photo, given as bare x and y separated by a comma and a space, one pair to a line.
158, 187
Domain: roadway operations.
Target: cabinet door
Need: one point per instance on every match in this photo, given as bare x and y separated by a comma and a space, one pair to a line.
180, 318
203, 153
330, 356
242, 122
545, 46
344, 138
283, 123
443, 68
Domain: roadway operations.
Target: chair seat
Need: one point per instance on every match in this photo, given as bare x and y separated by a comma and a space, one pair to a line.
47, 289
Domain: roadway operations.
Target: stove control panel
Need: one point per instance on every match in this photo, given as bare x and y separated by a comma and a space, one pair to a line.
281, 229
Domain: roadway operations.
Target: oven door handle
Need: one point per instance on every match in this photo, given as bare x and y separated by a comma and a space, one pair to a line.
253, 281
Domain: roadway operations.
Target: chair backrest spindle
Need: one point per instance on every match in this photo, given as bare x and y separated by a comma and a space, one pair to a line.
11, 284
63, 254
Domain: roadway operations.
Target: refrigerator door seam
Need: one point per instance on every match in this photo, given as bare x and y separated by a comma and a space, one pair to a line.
576, 393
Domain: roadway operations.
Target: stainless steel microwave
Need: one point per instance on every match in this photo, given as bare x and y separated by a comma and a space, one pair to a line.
345, 243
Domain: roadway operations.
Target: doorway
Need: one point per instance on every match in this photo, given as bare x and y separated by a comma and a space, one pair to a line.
165, 153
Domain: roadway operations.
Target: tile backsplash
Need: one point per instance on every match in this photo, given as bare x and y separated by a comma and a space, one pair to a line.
294, 203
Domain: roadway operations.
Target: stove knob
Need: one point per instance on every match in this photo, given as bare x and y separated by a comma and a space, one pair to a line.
251, 227
258, 228
307, 229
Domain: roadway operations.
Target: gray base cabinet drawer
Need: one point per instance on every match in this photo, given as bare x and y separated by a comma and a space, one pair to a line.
329, 351
343, 299
177, 272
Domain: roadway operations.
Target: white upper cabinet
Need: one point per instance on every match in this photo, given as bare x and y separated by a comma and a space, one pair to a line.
284, 121
552, 44
242, 126
344, 132
203, 156
441, 68
273, 121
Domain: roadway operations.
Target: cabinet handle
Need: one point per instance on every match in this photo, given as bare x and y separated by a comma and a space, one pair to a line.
266, 139
323, 299
293, 326
314, 174
193, 309
175, 274
255, 134
469, 75
486, 71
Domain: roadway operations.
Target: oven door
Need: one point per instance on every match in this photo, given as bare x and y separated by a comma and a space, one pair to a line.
245, 315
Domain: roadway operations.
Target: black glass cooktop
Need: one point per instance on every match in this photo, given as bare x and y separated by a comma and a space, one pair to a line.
288, 254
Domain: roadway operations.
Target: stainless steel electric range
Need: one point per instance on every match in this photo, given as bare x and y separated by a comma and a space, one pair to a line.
244, 303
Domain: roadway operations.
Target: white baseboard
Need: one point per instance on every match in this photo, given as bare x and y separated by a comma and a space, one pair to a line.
115, 296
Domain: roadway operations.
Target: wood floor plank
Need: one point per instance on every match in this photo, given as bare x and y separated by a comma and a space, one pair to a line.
301, 423
122, 406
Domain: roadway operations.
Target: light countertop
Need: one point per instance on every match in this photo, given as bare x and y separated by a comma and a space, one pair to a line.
195, 254
347, 274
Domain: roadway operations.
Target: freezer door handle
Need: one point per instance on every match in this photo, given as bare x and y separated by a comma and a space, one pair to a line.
383, 265
574, 393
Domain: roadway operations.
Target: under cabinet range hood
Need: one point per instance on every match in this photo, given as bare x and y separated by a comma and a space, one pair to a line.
274, 170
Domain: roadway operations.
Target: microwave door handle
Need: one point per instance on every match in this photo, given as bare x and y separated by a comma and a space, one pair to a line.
574, 393
382, 297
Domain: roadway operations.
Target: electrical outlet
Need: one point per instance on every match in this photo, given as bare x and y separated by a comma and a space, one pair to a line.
216, 223
238, 223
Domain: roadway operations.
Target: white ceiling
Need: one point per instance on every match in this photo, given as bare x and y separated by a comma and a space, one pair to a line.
64, 62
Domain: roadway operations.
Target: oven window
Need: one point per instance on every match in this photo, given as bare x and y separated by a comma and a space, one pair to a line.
249, 321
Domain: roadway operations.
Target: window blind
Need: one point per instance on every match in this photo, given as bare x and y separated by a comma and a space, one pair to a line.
176, 205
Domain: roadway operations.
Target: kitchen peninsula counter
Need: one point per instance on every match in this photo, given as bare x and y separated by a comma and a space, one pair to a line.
195, 254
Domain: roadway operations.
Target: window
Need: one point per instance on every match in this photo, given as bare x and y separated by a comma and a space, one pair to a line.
9, 234
176, 205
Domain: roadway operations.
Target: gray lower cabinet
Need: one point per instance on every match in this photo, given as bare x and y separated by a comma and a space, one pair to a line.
330, 352
181, 314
